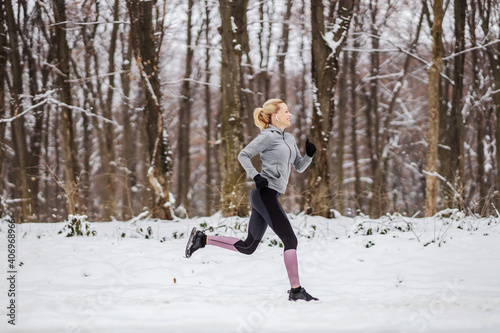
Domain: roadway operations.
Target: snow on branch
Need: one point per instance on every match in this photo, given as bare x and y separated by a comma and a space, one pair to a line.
8, 120
50, 100
88, 23
409, 53
350, 49
97, 76
47, 99
400, 48
190, 80
451, 56
490, 93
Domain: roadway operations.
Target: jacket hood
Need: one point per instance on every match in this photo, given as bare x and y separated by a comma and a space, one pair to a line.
272, 128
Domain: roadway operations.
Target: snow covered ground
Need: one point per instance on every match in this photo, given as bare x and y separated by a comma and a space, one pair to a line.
392, 274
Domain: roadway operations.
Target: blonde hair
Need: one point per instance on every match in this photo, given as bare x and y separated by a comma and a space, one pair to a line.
262, 116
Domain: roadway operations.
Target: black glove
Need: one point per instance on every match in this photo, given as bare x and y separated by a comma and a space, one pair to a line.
260, 181
310, 148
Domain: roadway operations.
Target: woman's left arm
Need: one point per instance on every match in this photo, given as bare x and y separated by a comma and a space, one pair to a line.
301, 163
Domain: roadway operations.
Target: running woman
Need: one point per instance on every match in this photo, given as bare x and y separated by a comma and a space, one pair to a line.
278, 152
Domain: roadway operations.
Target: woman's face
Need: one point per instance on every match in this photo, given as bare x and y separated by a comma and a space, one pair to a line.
284, 116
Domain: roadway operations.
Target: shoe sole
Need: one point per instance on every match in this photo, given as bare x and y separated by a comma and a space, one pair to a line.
303, 299
190, 243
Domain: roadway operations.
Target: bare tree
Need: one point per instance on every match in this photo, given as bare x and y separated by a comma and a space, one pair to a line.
92, 100
230, 135
326, 48
486, 8
109, 162
453, 129
479, 119
146, 49
251, 94
343, 95
432, 184
372, 111
208, 115
129, 177
184, 170
26, 35
283, 49
3, 76
353, 76
18, 126
71, 167
300, 106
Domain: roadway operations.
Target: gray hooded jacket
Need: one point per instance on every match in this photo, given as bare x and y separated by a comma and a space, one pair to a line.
278, 152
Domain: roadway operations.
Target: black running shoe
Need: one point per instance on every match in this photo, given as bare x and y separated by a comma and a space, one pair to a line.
300, 293
196, 240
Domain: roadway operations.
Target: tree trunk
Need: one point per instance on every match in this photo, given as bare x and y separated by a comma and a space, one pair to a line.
90, 102
35, 137
480, 179
252, 91
454, 136
300, 107
485, 9
343, 95
263, 77
208, 115
495, 67
432, 184
358, 200
184, 169
492, 53
447, 195
128, 154
48, 190
230, 135
283, 49
3, 109
378, 192
325, 52
18, 128
353, 75
109, 163
458, 149
71, 168
146, 54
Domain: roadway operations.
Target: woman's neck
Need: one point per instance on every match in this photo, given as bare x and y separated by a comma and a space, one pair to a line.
277, 125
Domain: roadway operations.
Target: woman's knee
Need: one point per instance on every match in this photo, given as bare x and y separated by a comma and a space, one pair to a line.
290, 242
245, 247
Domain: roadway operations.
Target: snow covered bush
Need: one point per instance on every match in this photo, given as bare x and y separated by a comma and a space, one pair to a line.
77, 226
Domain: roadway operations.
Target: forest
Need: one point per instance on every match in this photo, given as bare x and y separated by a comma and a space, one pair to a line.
117, 108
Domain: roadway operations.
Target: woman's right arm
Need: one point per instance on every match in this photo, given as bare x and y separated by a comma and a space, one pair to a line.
255, 147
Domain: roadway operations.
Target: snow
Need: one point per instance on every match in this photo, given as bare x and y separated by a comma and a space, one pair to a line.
393, 274
234, 27
329, 38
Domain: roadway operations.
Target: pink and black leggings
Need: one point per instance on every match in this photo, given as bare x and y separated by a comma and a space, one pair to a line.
266, 211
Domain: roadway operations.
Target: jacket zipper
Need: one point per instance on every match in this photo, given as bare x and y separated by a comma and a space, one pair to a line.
289, 149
